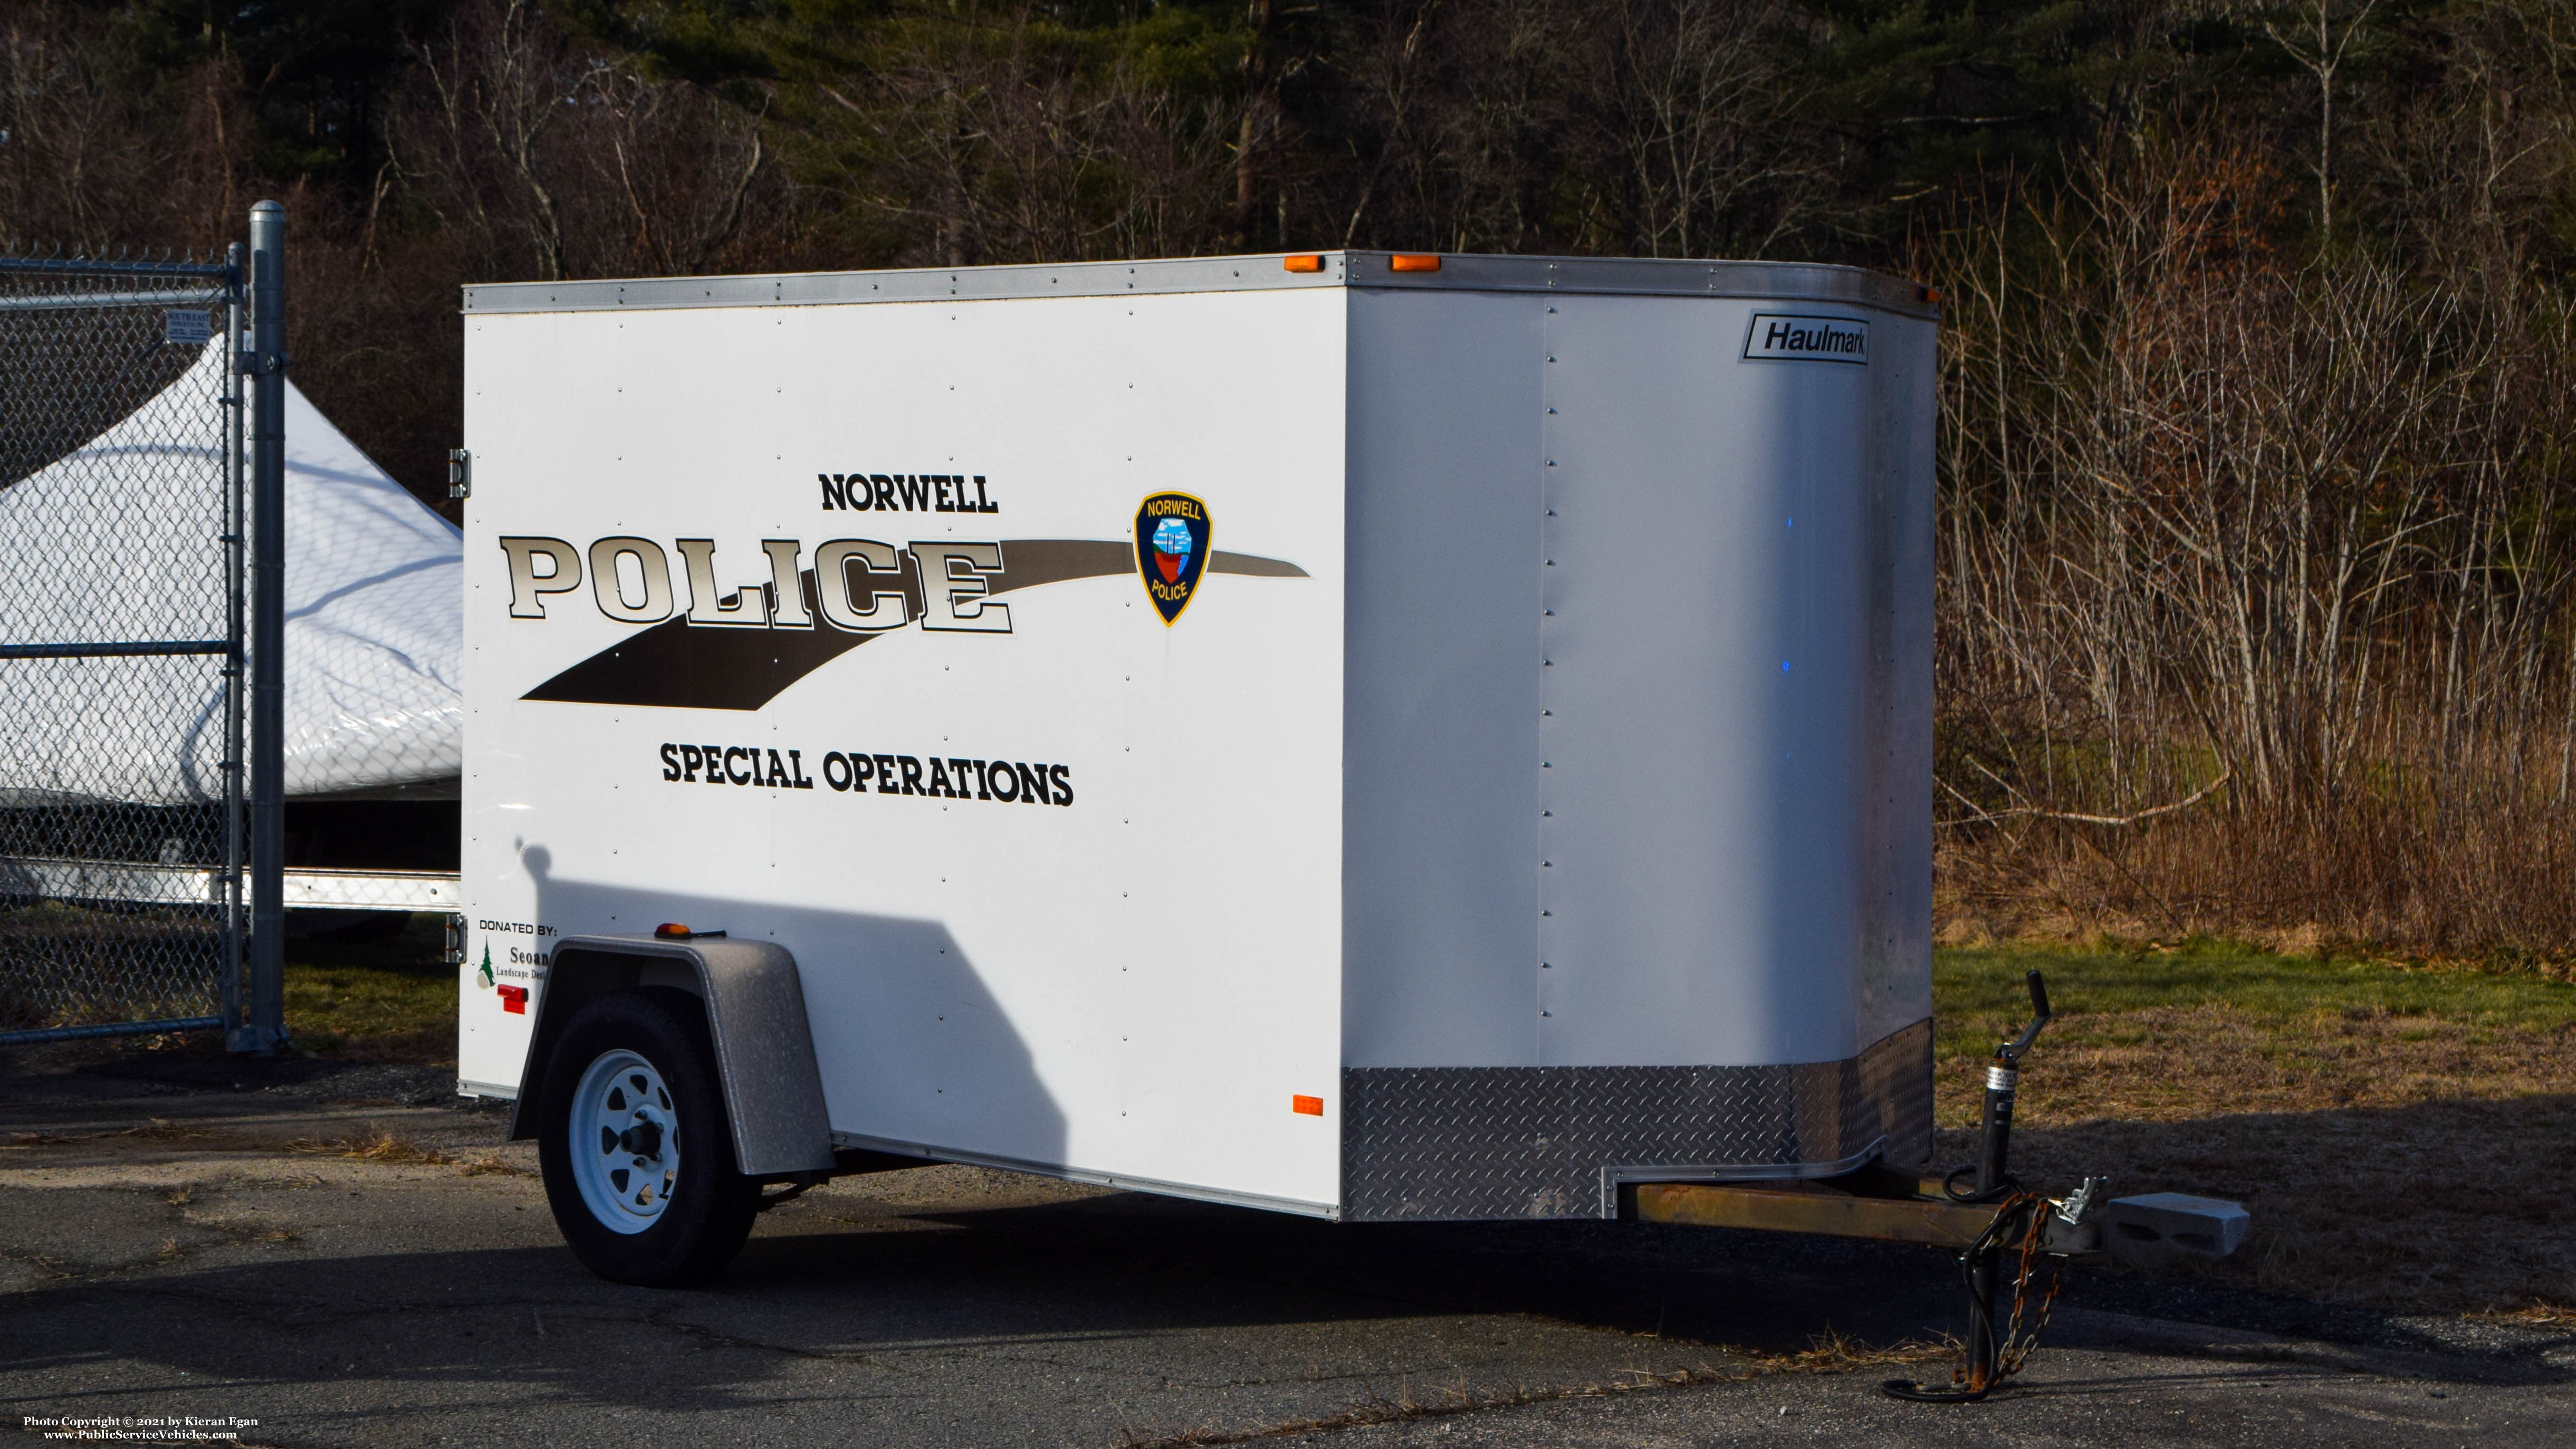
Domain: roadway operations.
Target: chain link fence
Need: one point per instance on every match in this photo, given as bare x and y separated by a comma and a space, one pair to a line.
122, 619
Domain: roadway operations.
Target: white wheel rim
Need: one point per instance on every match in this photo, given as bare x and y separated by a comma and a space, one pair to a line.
625, 1142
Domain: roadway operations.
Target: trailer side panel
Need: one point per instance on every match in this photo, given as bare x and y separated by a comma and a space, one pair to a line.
1059, 876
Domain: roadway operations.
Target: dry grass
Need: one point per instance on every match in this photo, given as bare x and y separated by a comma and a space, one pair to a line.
2179, 1064
393, 1149
50, 1139
2399, 1135
379, 1145
157, 1129
2537, 1315
1832, 1353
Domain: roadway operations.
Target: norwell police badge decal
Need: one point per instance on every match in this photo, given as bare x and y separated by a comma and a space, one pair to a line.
1171, 550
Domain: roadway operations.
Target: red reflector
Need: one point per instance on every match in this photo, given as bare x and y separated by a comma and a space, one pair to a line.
671, 928
1310, 1106
515, 999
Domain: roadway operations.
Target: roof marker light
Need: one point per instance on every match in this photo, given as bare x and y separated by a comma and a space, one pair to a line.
673, 929
1302, 262
1306, 1106
1413, 262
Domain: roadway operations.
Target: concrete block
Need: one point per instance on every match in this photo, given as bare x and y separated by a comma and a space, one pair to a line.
2157, 1229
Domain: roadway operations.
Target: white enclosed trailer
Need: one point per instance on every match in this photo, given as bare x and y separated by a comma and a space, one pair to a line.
1369, 736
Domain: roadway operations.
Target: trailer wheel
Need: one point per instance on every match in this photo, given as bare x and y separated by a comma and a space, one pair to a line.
638, 1157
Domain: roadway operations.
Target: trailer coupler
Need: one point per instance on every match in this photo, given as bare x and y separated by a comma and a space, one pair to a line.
1979, 1212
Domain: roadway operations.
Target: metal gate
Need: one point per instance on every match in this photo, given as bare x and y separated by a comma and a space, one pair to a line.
125, 632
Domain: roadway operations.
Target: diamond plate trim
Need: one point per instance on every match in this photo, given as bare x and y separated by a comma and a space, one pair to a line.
1435, 1143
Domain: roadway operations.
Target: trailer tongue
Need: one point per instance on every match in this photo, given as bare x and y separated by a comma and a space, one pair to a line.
1984, 1222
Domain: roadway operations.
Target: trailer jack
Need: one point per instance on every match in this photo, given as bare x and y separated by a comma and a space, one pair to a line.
1978, 1212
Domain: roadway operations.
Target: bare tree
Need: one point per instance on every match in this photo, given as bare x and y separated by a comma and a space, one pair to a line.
2321, 41
560, 162
2218, 515
984, 141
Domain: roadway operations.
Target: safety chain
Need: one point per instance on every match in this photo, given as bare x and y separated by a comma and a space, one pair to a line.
2014, 1348
1991, 1357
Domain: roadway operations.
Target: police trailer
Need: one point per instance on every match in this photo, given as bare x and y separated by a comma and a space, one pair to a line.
1383, 737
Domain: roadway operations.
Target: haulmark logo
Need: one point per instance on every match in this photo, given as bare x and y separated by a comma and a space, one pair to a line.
1776, 337
1171, 551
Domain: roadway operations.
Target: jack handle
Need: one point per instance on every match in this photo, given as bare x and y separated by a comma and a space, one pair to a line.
2003, 1079
2011, 1051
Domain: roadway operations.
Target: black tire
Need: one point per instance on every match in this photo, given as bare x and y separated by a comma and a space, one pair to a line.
706, 1212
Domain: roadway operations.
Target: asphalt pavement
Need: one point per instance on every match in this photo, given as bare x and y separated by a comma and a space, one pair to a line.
307, 1253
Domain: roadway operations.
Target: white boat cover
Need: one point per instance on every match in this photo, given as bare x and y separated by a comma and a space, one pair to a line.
120, 540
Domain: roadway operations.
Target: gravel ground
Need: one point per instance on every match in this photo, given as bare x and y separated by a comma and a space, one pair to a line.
347, 1255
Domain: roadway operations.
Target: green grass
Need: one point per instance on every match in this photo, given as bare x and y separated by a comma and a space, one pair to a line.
2208, 1029
1978, 995
382, 1000
2302, 1087
396, 997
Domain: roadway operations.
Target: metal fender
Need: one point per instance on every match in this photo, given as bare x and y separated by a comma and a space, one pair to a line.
755, 1012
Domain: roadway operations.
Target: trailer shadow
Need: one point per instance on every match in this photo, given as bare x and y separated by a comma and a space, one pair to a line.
1004, 1307
908, 1037
1147, 1263
2368, 1222
1209, 1298
985, 1296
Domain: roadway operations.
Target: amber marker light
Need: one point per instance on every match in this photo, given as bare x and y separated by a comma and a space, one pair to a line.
1413, 262
1303, 262
1928, 294
1306, 1106
671, 929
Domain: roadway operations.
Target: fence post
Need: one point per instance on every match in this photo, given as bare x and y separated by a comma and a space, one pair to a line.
266, 1028
237, 659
